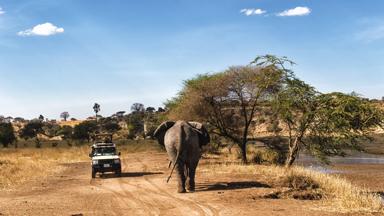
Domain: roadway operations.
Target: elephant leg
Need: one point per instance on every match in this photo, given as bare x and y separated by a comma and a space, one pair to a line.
191, 177
180, 177
187, 185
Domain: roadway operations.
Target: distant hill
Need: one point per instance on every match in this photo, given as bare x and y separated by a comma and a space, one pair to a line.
70, 123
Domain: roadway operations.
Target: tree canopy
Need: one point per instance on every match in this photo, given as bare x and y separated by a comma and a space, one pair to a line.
84, 130
64, 115
228, 100
7, 134
232, 101
31, 130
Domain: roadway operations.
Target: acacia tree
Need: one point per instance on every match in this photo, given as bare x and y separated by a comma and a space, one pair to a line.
7, 134
66, 132
64, 115
137, 107
323, 124
228, 101
31, 130
110, 125
84, 130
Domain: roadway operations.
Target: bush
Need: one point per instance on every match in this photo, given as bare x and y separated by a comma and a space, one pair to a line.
299, 182
263, 156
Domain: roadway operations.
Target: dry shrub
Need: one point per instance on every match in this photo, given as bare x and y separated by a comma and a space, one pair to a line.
262, 155
344, 196
338, 194
299, 182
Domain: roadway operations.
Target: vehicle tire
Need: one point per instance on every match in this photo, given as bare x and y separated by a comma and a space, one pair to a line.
118, 173
93, 173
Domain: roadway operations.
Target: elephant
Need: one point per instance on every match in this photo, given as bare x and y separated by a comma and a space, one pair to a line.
183, 141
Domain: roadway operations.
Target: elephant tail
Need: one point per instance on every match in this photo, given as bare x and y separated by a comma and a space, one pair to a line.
174, 165
178, 153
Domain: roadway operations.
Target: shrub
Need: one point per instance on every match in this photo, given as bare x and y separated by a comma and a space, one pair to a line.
299, 182
263, 156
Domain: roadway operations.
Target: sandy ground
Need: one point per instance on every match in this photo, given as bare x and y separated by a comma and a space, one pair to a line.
142, 190
370, 176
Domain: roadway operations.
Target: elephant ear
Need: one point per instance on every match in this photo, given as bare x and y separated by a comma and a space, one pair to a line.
204, 138
161, 130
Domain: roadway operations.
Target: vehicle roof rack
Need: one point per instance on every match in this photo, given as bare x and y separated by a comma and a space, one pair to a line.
99, 145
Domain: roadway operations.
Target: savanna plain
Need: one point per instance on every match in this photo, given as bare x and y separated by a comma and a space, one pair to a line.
57, 181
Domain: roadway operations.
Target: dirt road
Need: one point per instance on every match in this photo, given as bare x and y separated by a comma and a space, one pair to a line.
142, 190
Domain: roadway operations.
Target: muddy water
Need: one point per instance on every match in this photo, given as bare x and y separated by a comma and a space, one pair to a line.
361, 168
354, 158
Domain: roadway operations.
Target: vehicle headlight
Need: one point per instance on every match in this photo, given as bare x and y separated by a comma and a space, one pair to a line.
94, 162
117, 161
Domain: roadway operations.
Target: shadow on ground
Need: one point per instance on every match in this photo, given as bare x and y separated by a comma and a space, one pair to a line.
128, 174
231, 186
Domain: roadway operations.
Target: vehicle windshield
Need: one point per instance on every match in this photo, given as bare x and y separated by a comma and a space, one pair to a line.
104, 151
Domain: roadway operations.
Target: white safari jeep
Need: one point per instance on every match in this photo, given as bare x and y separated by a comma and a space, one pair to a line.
105, 158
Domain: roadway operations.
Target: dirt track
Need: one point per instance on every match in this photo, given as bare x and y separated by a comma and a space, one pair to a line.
142, 190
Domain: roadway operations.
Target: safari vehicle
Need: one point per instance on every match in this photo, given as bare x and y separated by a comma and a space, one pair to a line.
104, 156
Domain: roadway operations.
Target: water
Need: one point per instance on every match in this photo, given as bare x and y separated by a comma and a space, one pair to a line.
323, 169
356, 158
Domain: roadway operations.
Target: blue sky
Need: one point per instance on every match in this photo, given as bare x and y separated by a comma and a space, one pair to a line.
64, 55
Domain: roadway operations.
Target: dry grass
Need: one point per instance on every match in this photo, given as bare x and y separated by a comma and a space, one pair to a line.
338, 194
70, 123
18, 166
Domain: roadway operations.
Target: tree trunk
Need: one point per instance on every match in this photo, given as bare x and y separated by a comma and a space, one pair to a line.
244, 145
243, 148
38, 144
293, 152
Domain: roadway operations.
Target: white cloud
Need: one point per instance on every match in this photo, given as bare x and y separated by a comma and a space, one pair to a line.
45, 29
371, 34
297, 11
252, 11
2, 11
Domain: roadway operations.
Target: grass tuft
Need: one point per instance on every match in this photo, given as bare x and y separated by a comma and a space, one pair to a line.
337, 193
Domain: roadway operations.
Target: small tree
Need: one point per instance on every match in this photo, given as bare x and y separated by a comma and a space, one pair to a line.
323, 124
96, 109
120, 114
66, 132
84, 130
31, 130
50, 129
135, 122
64, 115
111, 127
7, 134
41, 118
137, 107
150, 109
